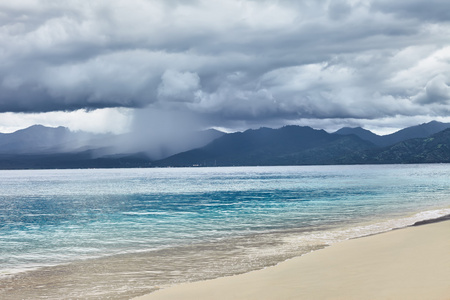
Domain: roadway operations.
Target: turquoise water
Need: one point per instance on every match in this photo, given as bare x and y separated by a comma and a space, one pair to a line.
118, 233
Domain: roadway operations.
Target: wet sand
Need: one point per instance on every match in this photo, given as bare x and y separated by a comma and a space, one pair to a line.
410, 263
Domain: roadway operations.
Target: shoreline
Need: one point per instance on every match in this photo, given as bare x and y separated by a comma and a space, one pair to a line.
431, 221
406, 263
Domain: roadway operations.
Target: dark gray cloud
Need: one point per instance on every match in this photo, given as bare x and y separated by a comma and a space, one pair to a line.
228, 62
429, 11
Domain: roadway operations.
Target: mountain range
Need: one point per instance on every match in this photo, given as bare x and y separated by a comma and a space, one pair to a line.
295, 145
39, 147
418, 131
44, 147
38, 139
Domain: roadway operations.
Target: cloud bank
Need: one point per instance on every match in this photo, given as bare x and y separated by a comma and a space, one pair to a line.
230, 63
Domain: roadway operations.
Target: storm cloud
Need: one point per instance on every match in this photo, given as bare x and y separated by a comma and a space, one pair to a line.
229, 63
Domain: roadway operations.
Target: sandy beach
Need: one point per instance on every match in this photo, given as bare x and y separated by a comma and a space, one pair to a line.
409, 263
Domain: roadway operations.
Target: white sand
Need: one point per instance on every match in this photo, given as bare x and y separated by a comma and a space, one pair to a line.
410, 263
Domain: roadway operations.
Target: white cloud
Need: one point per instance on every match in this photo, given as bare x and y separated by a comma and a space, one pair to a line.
178, 86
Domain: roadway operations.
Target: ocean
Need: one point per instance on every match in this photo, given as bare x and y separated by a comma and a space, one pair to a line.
121, 233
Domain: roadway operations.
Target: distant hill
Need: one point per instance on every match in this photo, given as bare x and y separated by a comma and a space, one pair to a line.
36, 139
39, 139
361, 132
434, 149
418, 131
364, 134
290, 145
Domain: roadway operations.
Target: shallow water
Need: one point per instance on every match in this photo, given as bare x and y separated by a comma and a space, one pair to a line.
118, 233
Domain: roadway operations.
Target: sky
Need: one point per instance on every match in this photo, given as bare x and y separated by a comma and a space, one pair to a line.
121, 65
